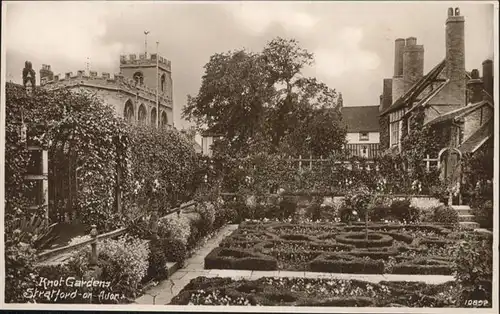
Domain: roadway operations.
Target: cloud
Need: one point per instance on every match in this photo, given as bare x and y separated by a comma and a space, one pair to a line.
257, 18
344, 54
72, 30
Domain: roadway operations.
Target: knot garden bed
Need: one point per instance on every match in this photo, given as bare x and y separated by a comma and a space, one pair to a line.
337, 248
269, 291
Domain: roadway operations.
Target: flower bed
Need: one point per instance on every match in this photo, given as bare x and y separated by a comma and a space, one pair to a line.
269, 291
326, 247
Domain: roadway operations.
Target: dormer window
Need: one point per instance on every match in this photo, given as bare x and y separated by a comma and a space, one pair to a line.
363, 136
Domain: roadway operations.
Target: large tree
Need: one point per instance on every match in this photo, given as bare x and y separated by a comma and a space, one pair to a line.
262, 101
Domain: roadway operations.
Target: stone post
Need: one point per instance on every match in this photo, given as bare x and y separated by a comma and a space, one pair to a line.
93, 253
153, 223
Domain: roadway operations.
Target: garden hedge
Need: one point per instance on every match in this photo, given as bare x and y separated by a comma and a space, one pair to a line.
343, 263
224, 258
358, 239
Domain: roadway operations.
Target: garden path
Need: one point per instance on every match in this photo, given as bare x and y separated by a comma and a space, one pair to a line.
194, 267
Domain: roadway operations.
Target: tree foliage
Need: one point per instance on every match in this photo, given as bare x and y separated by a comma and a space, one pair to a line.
73, 127
262, 100
164, 168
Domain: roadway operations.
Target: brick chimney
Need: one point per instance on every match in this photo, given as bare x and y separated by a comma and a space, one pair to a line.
488, 76
475, 88
413, 63
386, 98
398, 82
46, 74
455, 58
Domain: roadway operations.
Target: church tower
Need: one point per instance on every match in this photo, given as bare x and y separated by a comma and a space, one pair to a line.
143, 71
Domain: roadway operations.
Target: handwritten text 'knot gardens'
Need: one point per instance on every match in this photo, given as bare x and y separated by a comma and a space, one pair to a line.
71, 288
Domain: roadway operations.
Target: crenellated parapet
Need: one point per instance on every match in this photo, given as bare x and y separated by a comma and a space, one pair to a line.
145, 60
103, 80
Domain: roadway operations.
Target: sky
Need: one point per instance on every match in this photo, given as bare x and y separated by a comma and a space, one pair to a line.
353, 42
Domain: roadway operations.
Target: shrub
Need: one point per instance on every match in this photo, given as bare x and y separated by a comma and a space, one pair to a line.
445, 215
157, 260
288, 206
483, 214
207, 217
124, 262
403, 211
380, 213
20, 273
175, 227
223, 215
474, 267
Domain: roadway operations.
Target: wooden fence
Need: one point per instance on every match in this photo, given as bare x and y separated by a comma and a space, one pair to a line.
96, 238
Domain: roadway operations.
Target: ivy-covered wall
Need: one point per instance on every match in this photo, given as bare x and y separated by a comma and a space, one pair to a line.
384, 132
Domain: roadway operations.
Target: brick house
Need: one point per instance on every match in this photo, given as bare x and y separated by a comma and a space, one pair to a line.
363, 136
457, 103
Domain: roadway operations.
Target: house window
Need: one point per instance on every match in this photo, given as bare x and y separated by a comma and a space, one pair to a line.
363, 136
394, 135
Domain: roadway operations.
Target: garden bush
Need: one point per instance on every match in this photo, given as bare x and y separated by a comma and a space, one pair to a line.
224, 215
207, 215
483, 213
445, 215
176, 227
288, 206
157, 260
474, 267
20, 273
403, 211
124, 262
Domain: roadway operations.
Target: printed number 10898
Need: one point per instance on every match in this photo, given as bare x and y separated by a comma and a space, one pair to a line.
476, 303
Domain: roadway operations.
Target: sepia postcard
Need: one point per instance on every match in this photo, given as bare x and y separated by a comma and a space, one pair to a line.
250, 156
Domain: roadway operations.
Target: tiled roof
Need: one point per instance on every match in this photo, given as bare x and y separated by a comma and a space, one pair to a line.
416, 89
478, 138
361, 119
458, 112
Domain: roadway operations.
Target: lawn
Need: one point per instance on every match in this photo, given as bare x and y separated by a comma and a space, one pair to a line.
338, 248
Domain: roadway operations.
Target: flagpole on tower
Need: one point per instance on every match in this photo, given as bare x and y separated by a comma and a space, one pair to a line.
146, 44
157, 83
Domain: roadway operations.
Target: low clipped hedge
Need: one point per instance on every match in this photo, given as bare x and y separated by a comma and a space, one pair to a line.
343, 263
225, 258
358, 239
423, 266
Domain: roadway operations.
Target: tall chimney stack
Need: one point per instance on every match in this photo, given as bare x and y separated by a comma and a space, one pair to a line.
413, 62
46, 74
398, 82
386, 94
475, 87
455, 58
488, 76
398, 57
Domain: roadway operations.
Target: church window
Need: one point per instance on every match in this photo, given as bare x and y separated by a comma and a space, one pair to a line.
138, 78
163, 83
